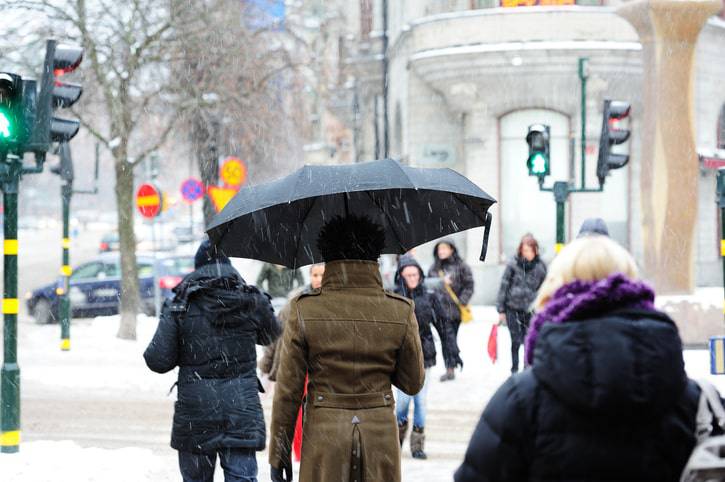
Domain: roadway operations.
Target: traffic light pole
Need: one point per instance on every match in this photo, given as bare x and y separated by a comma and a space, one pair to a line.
10, 373
583, 76
66, 192
721, 203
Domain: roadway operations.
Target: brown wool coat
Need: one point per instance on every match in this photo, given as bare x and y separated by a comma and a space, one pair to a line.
355, 340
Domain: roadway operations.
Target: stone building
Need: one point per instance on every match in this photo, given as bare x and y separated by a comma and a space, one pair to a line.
466, 78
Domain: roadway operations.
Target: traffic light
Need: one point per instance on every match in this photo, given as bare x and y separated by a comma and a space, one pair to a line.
65, 167
615, 113
538, 162
59, 60
11, 111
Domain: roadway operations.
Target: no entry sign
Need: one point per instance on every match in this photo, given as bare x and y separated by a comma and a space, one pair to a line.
192, 190
148, 200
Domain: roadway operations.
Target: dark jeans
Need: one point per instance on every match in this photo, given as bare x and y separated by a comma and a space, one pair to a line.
239, 465
518, 324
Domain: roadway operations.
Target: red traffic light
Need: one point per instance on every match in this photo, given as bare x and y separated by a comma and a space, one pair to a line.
66, 59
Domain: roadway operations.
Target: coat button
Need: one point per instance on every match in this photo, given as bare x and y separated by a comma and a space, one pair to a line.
387, 397
320, 397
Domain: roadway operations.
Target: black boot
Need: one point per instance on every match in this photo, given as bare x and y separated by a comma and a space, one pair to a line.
417, 443
402, 429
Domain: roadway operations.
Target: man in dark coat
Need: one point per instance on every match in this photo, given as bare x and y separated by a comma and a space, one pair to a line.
209, 330
455, 275
354, 341
520, 282
409, 282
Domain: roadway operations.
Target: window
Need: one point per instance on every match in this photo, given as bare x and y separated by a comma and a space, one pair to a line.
87, 272
721, 129
112, 270
145, 270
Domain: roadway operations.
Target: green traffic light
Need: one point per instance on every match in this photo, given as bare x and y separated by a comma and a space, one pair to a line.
5, 125
538, 164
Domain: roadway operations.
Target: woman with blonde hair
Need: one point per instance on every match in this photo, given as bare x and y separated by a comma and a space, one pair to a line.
606, 397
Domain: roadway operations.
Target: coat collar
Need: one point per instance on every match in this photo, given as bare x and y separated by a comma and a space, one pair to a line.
352, 273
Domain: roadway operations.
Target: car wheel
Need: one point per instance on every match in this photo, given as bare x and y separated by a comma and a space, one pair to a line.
43, 313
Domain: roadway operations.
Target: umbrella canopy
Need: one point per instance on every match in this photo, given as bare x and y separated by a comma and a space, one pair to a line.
279, 221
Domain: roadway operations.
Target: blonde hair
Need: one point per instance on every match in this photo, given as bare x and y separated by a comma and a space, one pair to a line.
591, 258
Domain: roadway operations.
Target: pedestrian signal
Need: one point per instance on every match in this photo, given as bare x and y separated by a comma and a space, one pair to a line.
538, 162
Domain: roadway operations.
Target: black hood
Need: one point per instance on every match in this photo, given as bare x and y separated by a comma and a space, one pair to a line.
403, 263
218, 287
627, 364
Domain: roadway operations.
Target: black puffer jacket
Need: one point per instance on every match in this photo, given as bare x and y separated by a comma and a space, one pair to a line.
606, 399
428, 311
519, 284
461, 280
209, 330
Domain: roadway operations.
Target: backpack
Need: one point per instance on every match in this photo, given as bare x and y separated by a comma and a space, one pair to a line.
707, 462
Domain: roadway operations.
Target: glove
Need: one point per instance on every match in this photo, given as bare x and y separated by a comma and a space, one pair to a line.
277, 474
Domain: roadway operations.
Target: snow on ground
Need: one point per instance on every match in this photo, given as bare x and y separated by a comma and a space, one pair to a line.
100, 366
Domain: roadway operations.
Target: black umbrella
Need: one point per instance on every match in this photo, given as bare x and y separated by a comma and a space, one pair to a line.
279, 221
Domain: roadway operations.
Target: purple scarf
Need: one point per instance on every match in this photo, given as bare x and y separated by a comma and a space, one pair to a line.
583, 299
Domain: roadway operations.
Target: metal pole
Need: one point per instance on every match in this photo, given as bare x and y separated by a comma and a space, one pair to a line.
10, 373
583, 75
561, 193
66, 270
386, 126
721, 194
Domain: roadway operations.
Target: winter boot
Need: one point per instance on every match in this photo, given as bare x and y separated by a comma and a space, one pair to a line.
448, 375
402, 430
417, 443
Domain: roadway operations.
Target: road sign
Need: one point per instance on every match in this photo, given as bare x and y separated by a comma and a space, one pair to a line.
148, 200
220, 196
192, 190
234, 172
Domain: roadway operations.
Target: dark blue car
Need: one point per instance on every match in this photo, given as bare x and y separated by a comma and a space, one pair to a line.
95, 287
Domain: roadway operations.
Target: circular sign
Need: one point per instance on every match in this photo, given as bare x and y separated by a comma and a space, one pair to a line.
234, 172
148, 200
192, 190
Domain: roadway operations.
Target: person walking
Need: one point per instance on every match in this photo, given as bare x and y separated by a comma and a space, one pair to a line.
520, 282
455, 292
607, 396
279, 280
354, 341
409, 283
209, 330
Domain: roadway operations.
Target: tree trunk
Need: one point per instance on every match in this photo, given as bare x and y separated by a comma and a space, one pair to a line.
127, 237
204, 141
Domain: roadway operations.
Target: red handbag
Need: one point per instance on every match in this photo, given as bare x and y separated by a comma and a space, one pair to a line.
493, 343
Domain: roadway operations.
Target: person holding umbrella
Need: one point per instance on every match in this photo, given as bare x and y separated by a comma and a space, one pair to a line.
352, 340
455, 292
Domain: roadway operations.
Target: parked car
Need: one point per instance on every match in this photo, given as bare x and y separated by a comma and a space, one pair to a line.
109, 242
95, 287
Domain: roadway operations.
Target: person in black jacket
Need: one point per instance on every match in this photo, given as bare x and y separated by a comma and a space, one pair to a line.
409, 283
606, 397
455, 275
209, 330
520, 282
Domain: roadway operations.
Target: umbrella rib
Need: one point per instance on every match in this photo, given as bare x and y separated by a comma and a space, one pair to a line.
475, 212
392, 225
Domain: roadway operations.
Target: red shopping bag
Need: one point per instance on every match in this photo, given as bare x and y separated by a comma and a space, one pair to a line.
493, 343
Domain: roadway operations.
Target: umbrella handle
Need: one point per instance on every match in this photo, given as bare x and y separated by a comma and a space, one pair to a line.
486, 231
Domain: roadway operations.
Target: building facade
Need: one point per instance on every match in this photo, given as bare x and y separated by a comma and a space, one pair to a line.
465, 79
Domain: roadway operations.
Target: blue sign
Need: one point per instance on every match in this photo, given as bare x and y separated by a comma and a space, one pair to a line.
192, 190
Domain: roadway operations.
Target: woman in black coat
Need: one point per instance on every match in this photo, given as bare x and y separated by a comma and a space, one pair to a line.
454, 273
209, 330
409, 280
606, 398
520, 282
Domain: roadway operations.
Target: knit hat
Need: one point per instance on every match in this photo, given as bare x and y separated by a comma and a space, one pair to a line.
208, 254
593, 227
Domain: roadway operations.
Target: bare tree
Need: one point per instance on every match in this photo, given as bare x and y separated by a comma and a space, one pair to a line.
129, 105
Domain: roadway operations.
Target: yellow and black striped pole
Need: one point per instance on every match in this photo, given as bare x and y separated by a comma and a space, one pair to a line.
65, 271
10, 374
